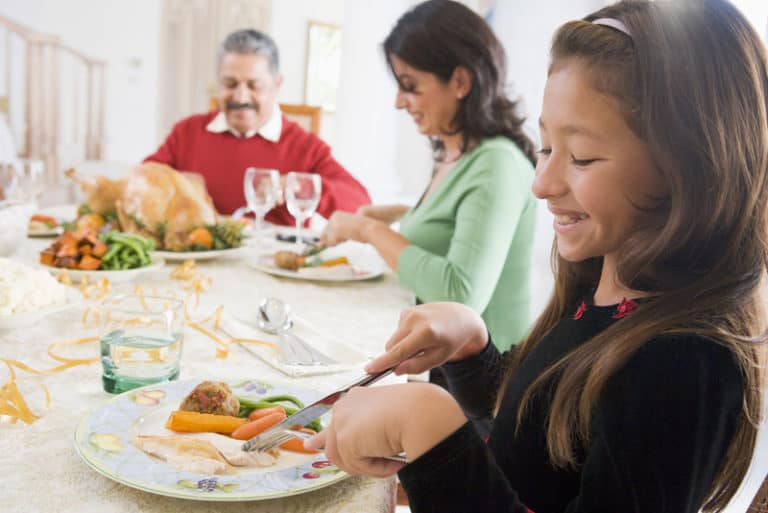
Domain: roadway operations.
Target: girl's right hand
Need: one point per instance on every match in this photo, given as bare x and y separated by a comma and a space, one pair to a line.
431, 334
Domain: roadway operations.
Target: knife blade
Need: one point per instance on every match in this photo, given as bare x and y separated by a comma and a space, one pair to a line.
313, 411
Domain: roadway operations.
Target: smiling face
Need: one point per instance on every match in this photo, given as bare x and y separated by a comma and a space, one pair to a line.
431, 102
594, 172
247, 90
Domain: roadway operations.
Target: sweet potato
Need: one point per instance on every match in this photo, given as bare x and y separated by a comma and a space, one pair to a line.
47, 257
99, 249
88, 263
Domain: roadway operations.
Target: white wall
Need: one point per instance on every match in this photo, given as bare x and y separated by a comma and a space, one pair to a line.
126, 35
376, 142
289, 23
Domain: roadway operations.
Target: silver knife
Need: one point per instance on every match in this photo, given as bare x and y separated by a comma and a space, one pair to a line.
313, 411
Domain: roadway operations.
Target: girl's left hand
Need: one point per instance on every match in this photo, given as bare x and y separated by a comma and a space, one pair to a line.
343, 226
371, 423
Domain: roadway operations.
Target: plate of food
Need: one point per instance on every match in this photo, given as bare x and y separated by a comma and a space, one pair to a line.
178, 439
338, 264
41, 225
156, 202
116, 256
28, 294
207, 254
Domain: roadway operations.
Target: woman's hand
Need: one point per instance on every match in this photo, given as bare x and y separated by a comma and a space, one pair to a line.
431, 334
343, 226
371, 423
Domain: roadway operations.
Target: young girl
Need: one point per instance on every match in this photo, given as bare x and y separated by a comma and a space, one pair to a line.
639, 388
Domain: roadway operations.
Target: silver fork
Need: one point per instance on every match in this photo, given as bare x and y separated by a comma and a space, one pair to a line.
287, 434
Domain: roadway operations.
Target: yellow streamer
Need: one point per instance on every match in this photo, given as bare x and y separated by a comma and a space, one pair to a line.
13, 406
12, 402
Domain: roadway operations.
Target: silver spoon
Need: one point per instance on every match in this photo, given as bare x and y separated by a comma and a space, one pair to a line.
270, 309
275, 315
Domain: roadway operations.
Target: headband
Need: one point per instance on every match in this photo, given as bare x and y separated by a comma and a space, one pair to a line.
614, 24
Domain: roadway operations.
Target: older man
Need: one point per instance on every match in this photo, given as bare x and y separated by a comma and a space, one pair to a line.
250, 131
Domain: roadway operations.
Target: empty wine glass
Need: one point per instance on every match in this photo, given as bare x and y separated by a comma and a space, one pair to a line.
302, 195
22, 179
262, 188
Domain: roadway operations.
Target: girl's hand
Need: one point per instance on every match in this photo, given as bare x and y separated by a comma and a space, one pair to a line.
371, 423
431, 334
343, 226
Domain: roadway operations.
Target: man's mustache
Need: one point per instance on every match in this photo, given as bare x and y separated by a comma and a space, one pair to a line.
238, 106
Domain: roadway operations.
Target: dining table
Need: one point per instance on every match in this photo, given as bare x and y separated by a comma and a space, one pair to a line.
40, 468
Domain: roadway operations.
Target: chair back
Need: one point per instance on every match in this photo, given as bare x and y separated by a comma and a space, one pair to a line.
307, 116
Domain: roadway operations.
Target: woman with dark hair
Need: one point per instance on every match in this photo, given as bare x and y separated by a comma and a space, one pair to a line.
469, 238
640, 388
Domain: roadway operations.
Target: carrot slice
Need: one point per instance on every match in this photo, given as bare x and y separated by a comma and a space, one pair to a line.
253, 428
297, 444
196, 422
263, 412
335, 261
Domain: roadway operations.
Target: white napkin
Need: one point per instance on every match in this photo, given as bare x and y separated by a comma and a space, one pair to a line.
348, 357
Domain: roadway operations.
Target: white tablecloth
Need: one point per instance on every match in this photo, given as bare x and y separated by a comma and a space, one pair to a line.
40, 469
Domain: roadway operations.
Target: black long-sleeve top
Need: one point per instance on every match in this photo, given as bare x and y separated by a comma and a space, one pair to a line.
659, 432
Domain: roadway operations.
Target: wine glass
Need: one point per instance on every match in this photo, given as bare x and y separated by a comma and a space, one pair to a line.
262, 188
302, 195
22, 179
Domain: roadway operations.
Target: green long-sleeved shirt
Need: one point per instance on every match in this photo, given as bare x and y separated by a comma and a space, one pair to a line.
471, 239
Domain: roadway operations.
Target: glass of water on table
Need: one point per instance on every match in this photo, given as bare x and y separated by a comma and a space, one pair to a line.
141, 339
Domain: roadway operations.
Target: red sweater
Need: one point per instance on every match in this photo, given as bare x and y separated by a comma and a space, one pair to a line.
222, 160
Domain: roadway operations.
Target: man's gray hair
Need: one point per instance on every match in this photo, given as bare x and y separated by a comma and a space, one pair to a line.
251, 41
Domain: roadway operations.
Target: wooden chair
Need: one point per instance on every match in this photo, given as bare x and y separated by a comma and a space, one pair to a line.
307, 116
760, 502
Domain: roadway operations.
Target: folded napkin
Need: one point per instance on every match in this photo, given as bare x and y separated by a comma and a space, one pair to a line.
348, 357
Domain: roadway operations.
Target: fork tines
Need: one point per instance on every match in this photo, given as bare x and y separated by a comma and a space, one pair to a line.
275, 440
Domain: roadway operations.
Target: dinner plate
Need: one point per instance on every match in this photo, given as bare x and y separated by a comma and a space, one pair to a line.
113, 276
357, 271
47, 232
197, 255
104, 440
23, 319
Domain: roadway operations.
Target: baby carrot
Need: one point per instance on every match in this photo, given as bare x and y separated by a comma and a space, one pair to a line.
263, 412
297, 444
253, 428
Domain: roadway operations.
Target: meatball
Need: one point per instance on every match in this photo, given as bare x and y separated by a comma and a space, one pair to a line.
288, 260
211, 397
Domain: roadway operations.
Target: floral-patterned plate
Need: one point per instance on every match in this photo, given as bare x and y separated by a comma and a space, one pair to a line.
104, 439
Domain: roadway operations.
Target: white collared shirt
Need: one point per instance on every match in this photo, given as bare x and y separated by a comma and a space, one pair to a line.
270, 131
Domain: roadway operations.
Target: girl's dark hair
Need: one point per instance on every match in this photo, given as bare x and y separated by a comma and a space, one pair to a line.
692, 83
438, 36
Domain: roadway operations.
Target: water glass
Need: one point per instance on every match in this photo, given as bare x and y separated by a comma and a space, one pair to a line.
302, 195
141, 340
262, 189
22, 179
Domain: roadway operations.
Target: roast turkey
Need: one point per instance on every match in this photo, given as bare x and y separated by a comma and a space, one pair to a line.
152, 200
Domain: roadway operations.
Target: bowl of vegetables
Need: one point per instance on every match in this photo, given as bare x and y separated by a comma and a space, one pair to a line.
114, 255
